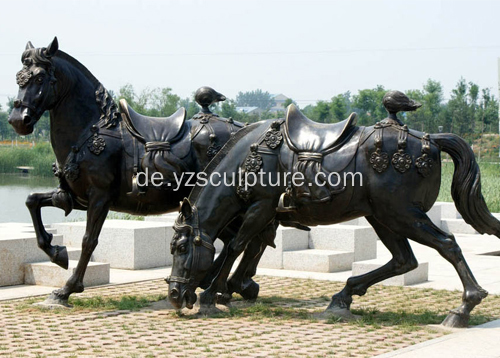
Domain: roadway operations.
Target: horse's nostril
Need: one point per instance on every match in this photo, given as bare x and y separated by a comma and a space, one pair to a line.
174, 293
27, 119
17, 103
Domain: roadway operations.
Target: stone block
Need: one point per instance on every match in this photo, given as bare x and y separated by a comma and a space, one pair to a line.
419, 275
16, 249
435, 214
448, 210
358, 239
165, 218
317, 260
286, 239
457, 226
126, 244
74, 253
49, 274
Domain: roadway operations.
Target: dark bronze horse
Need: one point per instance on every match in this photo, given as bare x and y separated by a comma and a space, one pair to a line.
101, 153
397, 179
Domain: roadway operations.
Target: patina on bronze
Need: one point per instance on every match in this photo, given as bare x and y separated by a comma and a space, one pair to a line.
394, 201
99, 152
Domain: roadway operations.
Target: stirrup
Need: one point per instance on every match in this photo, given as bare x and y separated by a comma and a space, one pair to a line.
285, 204
135, 188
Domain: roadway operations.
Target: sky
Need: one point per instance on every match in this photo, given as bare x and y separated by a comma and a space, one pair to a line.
307, 50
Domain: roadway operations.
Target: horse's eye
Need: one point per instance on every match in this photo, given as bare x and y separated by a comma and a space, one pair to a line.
39, 80
182, 249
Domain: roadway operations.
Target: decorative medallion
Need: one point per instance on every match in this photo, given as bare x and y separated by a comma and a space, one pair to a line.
379, 160
243, 193
71, 171
273, 136
96, 144
401, 161
213, 150
205, 117
253, 163
424, 163
23, 76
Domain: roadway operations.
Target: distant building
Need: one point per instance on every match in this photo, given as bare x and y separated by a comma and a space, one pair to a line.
249, 110
279, 101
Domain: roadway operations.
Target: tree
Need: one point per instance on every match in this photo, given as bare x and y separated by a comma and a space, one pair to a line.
256, 98
458, 109
287, 102
368, 104
190, 105
431, 115
340, 106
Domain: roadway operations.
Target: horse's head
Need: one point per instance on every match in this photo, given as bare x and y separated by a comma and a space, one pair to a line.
36, 82
193, 254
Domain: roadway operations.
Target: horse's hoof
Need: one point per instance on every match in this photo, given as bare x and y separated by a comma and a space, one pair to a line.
340, 313
209, 310
61, 257
53, 302
456, 320
224, 299
250, 291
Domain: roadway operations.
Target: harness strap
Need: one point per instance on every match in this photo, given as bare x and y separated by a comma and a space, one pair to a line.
157, 146
177, 279
306, 156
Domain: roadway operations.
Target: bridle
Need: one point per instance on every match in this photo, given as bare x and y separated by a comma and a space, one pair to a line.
199, 243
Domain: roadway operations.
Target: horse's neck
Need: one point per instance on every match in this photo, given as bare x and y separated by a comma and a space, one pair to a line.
216, 208
75, 112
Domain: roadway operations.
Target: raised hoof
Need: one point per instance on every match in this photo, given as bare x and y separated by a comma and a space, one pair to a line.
340, 313
251, 291
456, 320
209, 310
53, 302
61, 257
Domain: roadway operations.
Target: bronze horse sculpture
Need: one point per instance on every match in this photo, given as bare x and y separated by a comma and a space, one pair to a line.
101, 153
401, 175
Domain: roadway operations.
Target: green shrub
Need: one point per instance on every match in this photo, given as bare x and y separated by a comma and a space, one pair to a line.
40, 157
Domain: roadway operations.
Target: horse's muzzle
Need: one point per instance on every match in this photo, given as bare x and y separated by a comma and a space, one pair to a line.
178, 295
22, 121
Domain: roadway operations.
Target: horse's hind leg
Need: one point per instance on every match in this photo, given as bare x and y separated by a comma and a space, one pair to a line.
35, 202
402, 261
418, 227
96, 215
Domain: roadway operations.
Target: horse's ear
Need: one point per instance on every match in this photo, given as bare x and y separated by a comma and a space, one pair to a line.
52, 48
186, 208
29, 46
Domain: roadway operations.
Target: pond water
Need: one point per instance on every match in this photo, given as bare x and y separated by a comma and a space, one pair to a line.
15, 188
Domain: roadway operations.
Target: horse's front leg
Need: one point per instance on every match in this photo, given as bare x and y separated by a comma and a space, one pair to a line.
256, 219
99, 202
56, 198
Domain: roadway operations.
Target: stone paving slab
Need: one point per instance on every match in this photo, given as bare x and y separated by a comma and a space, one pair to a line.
282, 323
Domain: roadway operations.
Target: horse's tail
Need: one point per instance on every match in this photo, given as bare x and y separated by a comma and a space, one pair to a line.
466, 185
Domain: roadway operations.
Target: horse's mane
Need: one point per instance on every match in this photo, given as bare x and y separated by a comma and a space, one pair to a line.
220, 156
64, 56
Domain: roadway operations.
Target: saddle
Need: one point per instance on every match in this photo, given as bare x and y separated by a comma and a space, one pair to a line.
305, 135
166, 142
148, 129
311, 141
